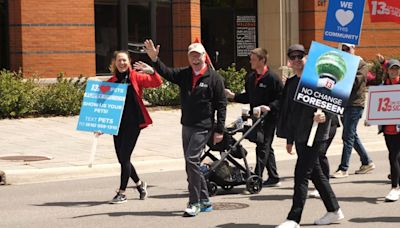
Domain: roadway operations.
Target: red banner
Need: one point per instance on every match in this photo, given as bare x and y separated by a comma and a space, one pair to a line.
384, 10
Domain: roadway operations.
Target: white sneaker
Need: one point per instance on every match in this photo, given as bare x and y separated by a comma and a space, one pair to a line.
288, 224
314, 194
340, 174
330, 217
393, 195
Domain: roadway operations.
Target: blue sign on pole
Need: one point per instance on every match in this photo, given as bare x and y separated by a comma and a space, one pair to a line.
343, 21
102, 107
327, 78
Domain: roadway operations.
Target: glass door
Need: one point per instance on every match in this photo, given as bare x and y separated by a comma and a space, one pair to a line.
4, 52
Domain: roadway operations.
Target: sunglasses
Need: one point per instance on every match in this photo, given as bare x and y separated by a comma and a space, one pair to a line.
395, 68
345, 48
293, 57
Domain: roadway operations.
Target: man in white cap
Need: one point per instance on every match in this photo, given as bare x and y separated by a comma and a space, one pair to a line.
201, 95
351, 116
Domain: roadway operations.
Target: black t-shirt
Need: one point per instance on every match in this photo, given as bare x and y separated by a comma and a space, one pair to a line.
132, 115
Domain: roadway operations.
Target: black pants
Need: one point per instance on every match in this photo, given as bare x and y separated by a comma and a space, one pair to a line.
194, 140
124, 144
393, 145
323, 160
308, 167
265, 155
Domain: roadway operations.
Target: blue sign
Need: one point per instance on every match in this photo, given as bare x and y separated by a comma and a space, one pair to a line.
343, 21
102, 107
327, 78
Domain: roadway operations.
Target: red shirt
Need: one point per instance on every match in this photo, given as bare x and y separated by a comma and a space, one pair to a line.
198, 76
259, 76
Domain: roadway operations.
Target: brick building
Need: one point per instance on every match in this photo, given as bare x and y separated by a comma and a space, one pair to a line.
76, 37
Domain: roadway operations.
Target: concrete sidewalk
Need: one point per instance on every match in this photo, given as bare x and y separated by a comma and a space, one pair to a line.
158, 148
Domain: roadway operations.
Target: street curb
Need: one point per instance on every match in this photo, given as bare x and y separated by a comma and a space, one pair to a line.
39, 175
17, 177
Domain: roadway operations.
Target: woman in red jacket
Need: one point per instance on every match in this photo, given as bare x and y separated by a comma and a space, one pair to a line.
392, 132
134, 118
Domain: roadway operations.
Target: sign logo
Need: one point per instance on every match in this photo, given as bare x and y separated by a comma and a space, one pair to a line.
344, 17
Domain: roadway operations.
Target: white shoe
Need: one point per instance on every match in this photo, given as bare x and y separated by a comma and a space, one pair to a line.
288, 224
393, 195
314, 194
330, 217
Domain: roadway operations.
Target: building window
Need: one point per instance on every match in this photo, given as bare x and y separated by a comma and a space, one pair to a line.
145, 19
228, 30
4, 53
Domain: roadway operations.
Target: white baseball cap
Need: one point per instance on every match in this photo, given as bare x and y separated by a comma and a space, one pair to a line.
197, 47
348, 45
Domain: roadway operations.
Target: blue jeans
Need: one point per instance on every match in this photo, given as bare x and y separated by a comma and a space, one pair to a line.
350, 138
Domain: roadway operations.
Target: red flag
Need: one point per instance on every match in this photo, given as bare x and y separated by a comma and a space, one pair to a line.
208, 60
384, 10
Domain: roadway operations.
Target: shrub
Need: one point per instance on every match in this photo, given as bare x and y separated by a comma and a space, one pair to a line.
17, 96
166, 94
234, 80
21, 97
62, 98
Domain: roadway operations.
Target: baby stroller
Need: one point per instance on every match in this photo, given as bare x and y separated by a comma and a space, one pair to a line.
220, 172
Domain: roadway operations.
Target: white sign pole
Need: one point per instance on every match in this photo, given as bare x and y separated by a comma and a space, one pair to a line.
93, 150
313, 131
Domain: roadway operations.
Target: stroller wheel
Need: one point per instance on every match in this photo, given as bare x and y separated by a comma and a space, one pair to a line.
227, 187
254, 184
212, 188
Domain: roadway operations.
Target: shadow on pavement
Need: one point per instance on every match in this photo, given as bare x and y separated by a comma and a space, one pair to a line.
136, 213
73, 204
271, 197
235, 225
371, 200
170, 196
375, 219
383, 182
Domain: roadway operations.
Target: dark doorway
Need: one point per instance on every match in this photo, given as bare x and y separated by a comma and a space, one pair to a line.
145, 19
219, 31
4, 51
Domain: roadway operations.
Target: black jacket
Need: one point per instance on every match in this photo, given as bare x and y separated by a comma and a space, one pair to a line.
267, 91
198, 105
296, 119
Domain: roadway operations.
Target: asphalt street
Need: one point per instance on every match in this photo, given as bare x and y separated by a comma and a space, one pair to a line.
84, 202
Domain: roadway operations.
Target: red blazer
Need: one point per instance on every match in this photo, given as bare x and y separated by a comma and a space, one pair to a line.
140, 81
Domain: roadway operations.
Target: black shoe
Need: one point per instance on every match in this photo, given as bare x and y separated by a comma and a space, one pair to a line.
272, 183
142, 188
119, 198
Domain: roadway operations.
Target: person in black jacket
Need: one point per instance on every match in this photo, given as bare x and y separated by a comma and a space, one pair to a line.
263, 88
201, 95
295, 122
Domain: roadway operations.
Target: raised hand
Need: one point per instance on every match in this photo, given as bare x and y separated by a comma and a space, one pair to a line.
151, 50
143, 67
380, 58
